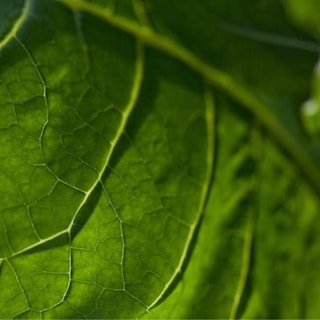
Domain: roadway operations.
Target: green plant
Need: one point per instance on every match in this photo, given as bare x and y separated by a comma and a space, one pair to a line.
159, 159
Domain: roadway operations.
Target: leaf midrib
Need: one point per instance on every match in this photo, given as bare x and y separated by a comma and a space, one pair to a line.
215, 77
17, 24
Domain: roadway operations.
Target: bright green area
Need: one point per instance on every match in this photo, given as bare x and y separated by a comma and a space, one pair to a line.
159, 159
306, 14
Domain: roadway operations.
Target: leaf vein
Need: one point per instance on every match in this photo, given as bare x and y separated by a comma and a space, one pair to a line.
216, 78
17, 24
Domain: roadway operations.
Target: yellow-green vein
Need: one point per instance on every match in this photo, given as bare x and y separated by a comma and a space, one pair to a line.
245, 267
137, 82
215, 77
210, 122
17, 24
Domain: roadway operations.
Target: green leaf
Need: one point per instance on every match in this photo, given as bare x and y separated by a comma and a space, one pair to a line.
157, 161
77, 222
305, 13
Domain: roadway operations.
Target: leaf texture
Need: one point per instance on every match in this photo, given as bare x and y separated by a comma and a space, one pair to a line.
157, 160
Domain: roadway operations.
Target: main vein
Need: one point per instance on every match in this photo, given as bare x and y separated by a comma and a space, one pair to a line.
137, 82
215, 77
17, 24
136, 86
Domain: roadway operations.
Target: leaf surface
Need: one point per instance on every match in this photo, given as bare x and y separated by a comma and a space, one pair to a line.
122, 122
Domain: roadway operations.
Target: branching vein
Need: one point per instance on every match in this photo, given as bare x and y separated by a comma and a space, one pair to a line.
210, 115
215, 77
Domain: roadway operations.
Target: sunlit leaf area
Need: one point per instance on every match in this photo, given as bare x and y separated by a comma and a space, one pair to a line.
159, 159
